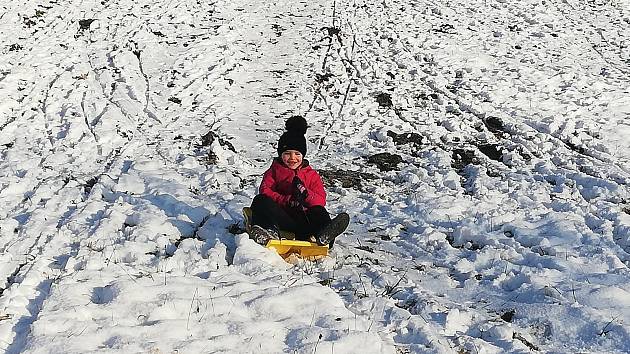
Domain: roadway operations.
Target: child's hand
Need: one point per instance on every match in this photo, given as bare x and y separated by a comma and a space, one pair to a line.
300, 192
293, 203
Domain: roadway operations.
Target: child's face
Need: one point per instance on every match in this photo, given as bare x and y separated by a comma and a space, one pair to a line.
292, 158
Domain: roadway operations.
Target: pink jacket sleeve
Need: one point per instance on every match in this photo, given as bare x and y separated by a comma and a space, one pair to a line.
267, 188
316, 191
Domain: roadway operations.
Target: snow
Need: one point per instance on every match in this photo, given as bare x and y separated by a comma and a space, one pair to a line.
132, 133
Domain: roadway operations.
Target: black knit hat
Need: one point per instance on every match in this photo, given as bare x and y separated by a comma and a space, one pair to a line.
293, 138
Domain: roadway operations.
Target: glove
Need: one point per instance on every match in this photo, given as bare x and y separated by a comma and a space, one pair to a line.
293, 203
300, 192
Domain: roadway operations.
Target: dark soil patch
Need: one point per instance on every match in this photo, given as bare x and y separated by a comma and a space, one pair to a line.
210, 158
495, 125
272, 95
327, 282
332, 31
514, 28
491, 150
529, 344
406, 138
28, 22
175, 100
384, 100
15, 47
445, 28
507, 316
277, 29
85, 24
365, 248
385, 161
323, 77
462, 158
578, 149
87, 186
209, 137
348, 179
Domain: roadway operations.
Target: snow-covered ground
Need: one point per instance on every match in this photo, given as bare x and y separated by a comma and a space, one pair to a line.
481, 148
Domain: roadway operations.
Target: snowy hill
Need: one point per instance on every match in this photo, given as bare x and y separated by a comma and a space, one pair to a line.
480, 147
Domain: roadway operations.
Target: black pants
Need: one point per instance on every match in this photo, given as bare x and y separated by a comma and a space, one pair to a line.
268, 214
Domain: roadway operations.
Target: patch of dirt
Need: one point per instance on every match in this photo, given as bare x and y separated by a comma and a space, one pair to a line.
406, 138
15, 47
348, 179
445, 28
384, 99
529, 344
210, 158
365, 248
491, 150
208, 138
385, 161
494, 125
462, 158
85, 24
277, 29
28, 22
87, 186
332, 32
578, 149
425, 97
508, 316
323, 77
274, 94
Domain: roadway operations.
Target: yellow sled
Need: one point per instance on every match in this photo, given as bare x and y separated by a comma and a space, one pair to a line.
287, 245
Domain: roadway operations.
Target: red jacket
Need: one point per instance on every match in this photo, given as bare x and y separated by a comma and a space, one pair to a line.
277, 183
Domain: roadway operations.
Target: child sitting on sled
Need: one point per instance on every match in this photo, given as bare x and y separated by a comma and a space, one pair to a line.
292, 196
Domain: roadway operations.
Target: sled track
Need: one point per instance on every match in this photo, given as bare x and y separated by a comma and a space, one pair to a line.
42, 249
28, 275
623, 71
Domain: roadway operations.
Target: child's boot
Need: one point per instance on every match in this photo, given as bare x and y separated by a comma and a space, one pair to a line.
261, 235
336, 226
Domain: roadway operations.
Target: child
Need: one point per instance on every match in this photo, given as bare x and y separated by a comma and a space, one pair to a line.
292, 195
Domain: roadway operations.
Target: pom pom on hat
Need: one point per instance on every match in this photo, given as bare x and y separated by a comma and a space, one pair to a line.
293, 138
296, 124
